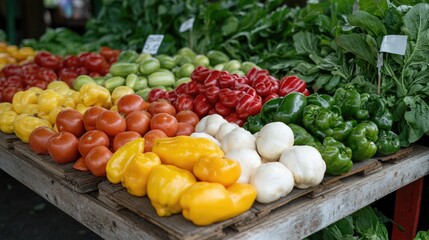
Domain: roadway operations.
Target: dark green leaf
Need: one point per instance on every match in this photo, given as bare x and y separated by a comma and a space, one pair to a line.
374, 7
368, 22
305, 43
356, 43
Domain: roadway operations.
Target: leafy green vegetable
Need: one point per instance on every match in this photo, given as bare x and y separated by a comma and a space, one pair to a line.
422, 235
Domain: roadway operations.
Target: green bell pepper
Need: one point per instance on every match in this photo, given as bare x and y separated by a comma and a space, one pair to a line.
362, 141
302, 137
337, 156
350, 103
321, 100
287, 109
379, 112
322, 123
387, 143
254, 124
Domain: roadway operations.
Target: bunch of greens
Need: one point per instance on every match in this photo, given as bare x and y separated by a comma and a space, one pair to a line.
422, 235
366, 223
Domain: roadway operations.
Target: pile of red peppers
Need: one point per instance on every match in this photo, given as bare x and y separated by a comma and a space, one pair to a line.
232, 96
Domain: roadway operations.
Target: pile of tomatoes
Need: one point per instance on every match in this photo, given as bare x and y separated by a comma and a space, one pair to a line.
47, 67
92, 138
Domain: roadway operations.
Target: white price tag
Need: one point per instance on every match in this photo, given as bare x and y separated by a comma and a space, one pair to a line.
396, 44
152, 43
186, 25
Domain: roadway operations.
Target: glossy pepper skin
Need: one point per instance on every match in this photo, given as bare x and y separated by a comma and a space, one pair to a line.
362, 141
379, 113
387, 143
350, 103
290, 84
92, 94
254, 123
137, 173
6, 121
206, 203
165, 187
24, 124
337, 156
184, 151
321, 100
322, 122
217, 169
302, 137
287, 109
119, 161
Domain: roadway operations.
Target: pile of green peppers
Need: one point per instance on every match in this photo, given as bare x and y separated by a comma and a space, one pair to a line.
346, 127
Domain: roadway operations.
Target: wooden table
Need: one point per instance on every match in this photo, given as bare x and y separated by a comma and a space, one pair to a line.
295, 220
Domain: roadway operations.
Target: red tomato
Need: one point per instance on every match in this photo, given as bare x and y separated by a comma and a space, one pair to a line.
162, 107
187, 116
90, 116
70, 120
138, 121
96, 160
124, 137
150, 136
164, 122
48, 60
109, 54
72, 61
111, 123
95, 63
68, 75
63, 148
184, 129
91, 139
39, 138
130, 103
80, 165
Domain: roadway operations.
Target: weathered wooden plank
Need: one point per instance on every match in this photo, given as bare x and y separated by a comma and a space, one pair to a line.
301, 218
78, 181
105, 193
401, 155
6, 140
101, 219
358, 167
176, 225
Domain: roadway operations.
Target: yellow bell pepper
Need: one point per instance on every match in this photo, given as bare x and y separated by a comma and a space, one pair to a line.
54, 113
165, 186
217, 169
184, 151
16, 101
114, 108
35, 89
31, 109
68, 102
121, 158
48, 99
29, 97
137, 173
119, 92
94, 95
23, 126
80, 107
59, 87
5, 106
75, 96
206, 203
6, 121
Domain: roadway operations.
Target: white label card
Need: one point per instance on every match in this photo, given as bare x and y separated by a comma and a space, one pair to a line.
152, 43
186, 25
396, 44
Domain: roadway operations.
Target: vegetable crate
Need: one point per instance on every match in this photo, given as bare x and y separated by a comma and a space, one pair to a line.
81, 182
6, 140
177, 227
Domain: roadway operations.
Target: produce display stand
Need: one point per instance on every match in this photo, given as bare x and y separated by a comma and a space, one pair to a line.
295, 220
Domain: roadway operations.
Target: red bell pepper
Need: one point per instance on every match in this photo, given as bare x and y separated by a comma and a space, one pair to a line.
212, 79
189, 88
246, 89
226, 81
233, 118
291, 84
201, 106
228, 97
269, 97
172, 96
248, 105
184, 102
264, 85
200, 74
212, 93
156, 94
222, 110
254, 73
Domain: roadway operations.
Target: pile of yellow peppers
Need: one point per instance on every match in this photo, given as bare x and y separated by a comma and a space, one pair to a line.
183, 174
35, 107
11, 54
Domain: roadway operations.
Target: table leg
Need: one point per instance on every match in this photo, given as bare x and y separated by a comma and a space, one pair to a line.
407, 210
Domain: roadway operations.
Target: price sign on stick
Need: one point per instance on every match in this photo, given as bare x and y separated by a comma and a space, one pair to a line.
152, 43
186, 25
396, 44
